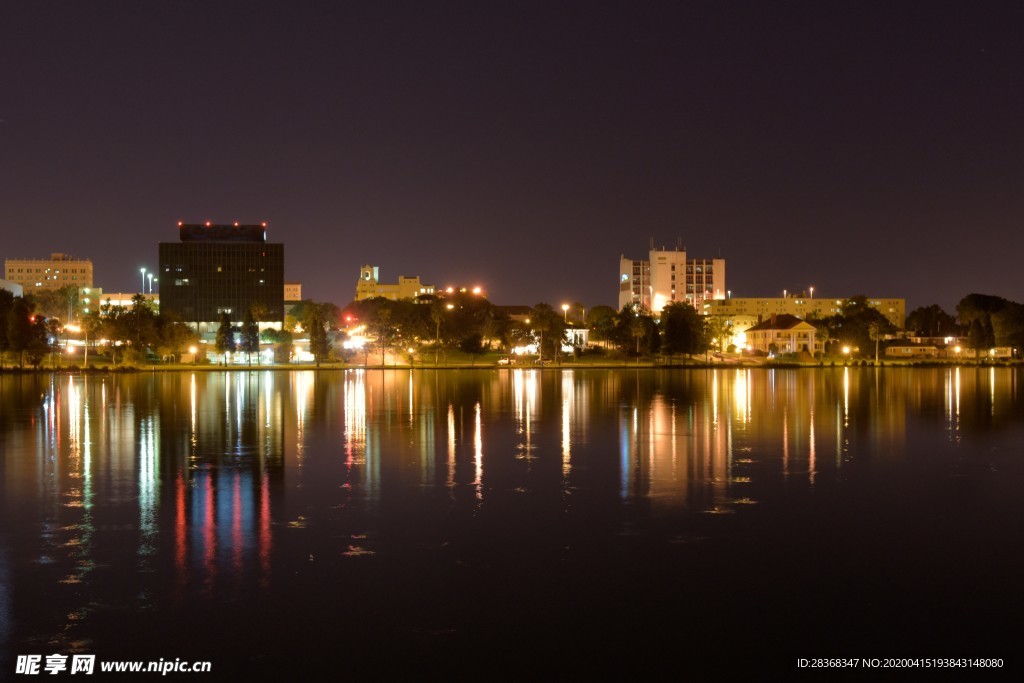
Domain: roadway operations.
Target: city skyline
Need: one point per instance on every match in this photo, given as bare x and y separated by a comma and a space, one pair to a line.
524, 148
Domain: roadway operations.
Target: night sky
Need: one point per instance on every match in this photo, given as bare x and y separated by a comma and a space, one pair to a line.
873, 148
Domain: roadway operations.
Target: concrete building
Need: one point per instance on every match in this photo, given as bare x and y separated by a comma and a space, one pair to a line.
216, 269
60, 270
784, 334
370, 286
801, 306
667, 276
292, 292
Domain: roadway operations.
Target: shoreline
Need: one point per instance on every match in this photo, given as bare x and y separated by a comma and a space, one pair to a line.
123, 370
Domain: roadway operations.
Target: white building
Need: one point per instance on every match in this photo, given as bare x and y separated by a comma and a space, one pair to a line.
667, 276
784, 334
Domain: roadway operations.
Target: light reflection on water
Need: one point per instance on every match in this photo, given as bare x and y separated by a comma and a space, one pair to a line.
128, 490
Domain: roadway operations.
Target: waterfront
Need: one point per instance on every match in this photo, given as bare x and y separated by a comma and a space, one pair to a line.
488, 521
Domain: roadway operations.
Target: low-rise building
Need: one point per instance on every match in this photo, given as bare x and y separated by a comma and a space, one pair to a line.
370, 286
803, 307
60, 270
784, 334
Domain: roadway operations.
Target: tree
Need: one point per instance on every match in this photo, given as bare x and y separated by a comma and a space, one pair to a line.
225, 340
931, 321
602, 324
174, 336
380, 327
250, 338
976, 335
551, 327
718, 330
142, 322
56, 303
683, 329
19, 327
858, 326
282, 341
472, 345
319, 344
6, 303
91, 325
638, 330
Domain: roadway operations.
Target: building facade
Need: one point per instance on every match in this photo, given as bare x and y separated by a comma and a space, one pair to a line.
895, 310
668, 276
215, 269
370, 286
60, 270
784, 334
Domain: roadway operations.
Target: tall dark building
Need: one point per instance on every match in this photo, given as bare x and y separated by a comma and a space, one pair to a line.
216, 269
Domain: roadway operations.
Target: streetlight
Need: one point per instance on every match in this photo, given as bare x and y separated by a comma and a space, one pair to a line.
193, 350
149, 276
143, 271
812, 292
565, 312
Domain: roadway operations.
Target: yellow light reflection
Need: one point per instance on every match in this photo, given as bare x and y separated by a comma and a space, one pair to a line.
478, 453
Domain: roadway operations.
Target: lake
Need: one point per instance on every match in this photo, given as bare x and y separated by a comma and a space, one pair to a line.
512, 523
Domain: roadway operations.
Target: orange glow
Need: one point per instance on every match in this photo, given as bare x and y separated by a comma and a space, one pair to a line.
207, 223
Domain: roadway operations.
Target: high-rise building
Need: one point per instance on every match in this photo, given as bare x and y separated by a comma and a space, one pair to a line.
668, 276
60, 270
216, 269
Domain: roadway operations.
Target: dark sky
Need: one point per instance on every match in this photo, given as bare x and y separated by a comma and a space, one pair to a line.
873, 148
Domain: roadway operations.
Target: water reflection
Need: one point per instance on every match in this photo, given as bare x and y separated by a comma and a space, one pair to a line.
119, 491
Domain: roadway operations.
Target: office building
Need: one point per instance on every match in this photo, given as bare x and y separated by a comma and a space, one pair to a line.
215, 269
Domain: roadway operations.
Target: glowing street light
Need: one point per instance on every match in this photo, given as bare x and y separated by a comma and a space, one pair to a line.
565, 312
193, 350
143, 271
149, 276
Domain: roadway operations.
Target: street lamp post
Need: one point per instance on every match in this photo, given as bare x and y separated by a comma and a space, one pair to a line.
149, 276
565, 312
143, 271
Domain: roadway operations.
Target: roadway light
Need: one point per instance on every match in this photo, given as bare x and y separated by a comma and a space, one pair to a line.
565, 312
143, 271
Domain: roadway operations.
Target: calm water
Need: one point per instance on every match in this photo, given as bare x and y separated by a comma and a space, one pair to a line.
502, 523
